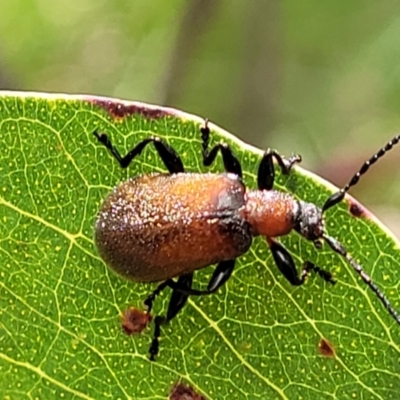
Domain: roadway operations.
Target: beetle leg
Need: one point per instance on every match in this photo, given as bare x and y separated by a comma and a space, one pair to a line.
231, 163
285, 263
221, 274
266, 169
151, 297
179, 298
324, 274
181, 290
168, 155
155, 344
177, 301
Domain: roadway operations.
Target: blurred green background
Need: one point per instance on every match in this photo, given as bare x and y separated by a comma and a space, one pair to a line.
317, 78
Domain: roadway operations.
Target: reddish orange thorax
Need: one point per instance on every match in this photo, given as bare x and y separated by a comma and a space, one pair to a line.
270, 213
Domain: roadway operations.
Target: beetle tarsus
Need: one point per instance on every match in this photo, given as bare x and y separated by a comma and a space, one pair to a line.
155, 343
324, 274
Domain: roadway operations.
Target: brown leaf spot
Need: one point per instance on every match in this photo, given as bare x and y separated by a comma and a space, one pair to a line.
135, 320
184, 392
325, 348
358, 210
125, 109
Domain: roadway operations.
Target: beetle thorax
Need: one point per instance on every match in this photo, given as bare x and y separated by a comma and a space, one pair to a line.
270, 213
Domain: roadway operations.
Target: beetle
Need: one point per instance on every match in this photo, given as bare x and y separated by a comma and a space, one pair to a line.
160, 226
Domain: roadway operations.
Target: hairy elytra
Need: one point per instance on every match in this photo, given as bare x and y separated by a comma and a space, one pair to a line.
158, 226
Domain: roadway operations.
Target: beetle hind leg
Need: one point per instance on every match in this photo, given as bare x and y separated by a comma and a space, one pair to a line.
181, 290
177, 301
168, 155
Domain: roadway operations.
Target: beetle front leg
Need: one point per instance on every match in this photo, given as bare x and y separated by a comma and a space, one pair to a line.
323, 273
286, 265
266, 169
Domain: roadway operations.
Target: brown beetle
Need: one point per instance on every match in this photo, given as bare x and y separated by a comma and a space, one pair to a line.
156, 227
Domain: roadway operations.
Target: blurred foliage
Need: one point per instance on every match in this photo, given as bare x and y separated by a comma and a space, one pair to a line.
318, 78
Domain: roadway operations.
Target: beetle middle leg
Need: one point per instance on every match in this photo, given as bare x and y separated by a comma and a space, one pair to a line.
168, 155
221, 274
266, 170
286, 265
231, 163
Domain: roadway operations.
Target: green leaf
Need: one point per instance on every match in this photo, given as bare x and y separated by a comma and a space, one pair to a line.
259, 337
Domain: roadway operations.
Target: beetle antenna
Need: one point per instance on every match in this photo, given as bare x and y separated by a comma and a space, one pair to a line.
338, 196
340, 249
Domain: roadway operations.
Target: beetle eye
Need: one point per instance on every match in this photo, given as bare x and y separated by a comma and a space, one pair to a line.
318, 244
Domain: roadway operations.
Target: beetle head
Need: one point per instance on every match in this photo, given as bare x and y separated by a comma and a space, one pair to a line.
310, 223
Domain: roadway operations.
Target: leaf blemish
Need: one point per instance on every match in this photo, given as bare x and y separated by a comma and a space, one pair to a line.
325, 348
357, 210
122, 110
134, 320
184, 392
